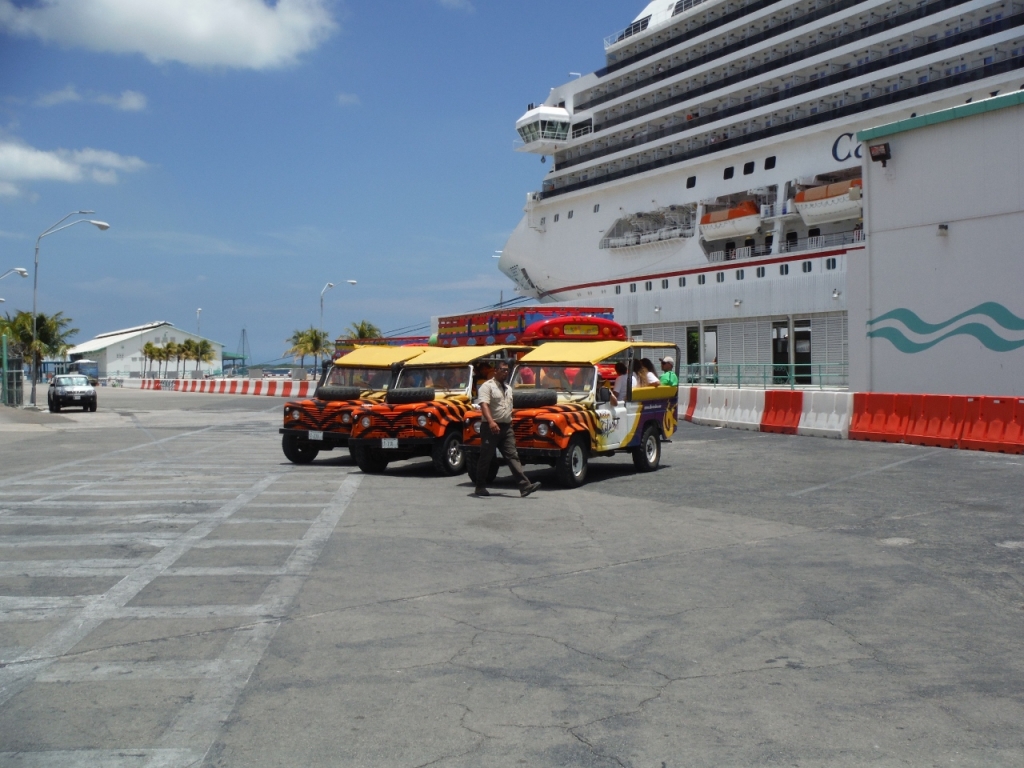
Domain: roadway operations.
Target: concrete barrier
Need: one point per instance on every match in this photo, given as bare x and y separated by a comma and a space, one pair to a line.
265, 388
747, 410
826, 414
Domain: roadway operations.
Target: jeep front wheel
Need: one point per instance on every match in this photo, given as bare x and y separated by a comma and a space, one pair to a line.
372, 461
296, 452
448, 456
647, 455
572, 463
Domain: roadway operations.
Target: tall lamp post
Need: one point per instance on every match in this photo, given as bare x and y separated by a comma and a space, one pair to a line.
198, 313
100, 225
325, 290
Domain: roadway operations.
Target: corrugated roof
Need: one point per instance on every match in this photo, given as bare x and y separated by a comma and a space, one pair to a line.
105, 340
460, 355
944, 116
380, 357
586, 351
146, 327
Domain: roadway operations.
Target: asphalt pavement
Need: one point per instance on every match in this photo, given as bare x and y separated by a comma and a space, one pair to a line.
174, 593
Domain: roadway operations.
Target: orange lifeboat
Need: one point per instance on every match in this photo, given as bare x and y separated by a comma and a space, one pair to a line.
830, 202
739, 221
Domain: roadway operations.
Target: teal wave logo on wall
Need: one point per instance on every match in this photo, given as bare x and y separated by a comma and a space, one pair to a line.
916, 335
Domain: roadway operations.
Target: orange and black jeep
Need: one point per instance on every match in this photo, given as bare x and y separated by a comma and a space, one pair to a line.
564, 412
324, 421
423, 414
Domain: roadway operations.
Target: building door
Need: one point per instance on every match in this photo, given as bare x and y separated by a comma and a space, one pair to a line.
692, 355
802, 351
780, 353
710, 372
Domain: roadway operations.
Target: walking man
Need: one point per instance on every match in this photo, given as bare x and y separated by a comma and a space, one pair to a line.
496, 432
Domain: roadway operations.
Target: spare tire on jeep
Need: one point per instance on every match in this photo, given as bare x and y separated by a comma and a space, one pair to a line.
409, 395
534, 398
338, 393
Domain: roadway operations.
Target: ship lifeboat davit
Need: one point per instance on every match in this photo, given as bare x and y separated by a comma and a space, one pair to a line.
833, 202
741, 221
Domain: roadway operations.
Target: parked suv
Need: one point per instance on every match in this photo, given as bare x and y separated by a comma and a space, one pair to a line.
71, 389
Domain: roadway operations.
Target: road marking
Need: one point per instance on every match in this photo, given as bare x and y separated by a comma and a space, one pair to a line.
866, 473
97, 758
85, 671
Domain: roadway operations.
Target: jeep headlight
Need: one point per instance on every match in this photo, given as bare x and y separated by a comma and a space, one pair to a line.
477, 425
422, 420
365, 421
543, 429
62, 390
295, 415
346, 418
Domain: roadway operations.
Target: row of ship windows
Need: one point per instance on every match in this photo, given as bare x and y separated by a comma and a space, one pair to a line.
720, 276
691, 182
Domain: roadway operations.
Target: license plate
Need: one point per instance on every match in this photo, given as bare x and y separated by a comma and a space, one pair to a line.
76, 397
316, 435
389, 442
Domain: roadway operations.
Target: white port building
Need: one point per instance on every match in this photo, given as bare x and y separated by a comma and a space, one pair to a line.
119, 353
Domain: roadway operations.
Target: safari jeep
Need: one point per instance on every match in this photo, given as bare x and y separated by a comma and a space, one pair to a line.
423, 414
324, 421
563, 415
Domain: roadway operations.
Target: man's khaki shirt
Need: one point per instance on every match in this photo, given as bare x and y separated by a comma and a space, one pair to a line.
498, 398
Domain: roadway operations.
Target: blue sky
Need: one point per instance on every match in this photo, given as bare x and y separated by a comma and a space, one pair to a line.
245, 153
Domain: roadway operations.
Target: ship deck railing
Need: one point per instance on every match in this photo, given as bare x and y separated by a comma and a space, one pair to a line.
818, 242
768, 375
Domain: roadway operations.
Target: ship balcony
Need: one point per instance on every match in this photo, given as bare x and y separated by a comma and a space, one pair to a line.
791, 245
543, 130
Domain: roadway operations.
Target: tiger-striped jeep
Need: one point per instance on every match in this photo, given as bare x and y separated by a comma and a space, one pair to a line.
565, 413
324, 421
423, 414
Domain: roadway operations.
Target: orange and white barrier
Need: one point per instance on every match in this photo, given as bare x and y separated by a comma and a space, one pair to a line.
826, 414
260, 387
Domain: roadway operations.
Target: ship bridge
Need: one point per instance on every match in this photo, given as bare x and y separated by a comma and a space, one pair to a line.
544, 130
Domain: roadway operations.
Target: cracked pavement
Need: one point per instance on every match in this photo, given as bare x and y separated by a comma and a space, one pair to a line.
760, 600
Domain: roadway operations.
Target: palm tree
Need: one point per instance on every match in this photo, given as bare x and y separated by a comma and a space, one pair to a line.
148, 350
364, 329
188, 352
52, 337
319, 343
161, 356
300, 346
172, 350
203, 352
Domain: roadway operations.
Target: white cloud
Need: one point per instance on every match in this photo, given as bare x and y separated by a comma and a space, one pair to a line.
348, 99
20, 162
458, 5
247, 34
128, 101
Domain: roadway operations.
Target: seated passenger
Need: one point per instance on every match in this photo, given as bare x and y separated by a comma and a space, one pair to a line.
644, 377
652, 377
619, 389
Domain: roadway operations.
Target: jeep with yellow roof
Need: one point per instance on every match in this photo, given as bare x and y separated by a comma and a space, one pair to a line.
564, 412
423, 414
324, 421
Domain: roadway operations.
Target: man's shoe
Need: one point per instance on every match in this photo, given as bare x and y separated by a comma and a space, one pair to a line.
481, 492
528, 489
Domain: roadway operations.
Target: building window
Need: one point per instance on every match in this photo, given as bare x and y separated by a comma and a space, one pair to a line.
543, 220
597, 207
648, 285
556, 216
720, 277
691, 182
729, 172
748, 168
632, 287
569, 216
760, 271
784, 269
830, 263
739, 274
664, 284
682, 282
701, 279
806, 266
618, 289
769, 163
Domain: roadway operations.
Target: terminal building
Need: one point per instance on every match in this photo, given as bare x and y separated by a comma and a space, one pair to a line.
120, 354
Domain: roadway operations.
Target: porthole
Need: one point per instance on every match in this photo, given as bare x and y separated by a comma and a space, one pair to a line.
784, 269
597, 207
769, 163
748, 168
830, 263
760, 271
632, 287
556, 216
806, 266
664, 284
692, 181
701, 279
682, 282
648, 285
739, 274
720, 277
569, 215
729, 172
618, 289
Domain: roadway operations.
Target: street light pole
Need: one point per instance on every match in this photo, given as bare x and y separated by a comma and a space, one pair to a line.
100, 225
198, 312
320, 355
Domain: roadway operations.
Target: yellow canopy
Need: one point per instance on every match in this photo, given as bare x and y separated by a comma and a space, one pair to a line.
460, 355
585, 351
379, 357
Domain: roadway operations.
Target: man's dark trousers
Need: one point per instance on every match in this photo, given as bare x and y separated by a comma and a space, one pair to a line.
504, 441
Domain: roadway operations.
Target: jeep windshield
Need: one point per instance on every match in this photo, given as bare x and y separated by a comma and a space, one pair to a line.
443, 379
72, 381
375, 379
571, 380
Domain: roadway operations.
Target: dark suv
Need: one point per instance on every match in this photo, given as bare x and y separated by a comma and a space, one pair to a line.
72, 389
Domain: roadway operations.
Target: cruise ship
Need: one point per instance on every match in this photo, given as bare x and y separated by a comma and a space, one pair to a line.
706, 182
